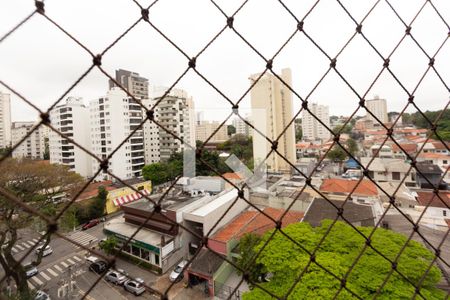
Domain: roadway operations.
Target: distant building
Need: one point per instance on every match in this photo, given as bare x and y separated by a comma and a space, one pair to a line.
71, 119
175, 113
112, 119
312, 129
204, 129
34, 145
378, 108
242, 127
5, 120
272, 112
132, 82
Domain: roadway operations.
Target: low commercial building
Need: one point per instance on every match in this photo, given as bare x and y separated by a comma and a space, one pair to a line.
122, 194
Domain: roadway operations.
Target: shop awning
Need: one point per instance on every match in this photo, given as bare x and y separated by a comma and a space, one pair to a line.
119, 201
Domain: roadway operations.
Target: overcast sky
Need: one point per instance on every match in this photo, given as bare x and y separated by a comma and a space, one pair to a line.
40, 62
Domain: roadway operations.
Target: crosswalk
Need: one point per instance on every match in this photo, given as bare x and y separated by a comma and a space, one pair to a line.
52, 272
83, 238
23, 245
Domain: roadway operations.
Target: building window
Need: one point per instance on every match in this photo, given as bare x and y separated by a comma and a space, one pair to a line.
136, 251
444, 212
156, 259
395, 175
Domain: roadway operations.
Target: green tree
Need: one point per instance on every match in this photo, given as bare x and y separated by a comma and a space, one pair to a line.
298, 133
352, 146
69, 220
247, 254
109, 245
46, 150
231, 130
158, 173
337, 154
285, 260
35, 184
97, 207
345, 129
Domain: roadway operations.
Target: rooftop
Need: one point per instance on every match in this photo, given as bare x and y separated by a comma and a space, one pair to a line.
206, 263
252, 221
345, 186
425, 197
321, 209
119, 226
427, 168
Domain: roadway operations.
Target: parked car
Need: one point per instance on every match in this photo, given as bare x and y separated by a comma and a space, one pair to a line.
115, 277
177, 273
47, 251
98, 267
30, 270
91, 259
134, 287
90, 224
41, 295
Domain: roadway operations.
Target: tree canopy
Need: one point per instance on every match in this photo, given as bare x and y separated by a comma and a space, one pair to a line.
35, 183
286, 260
443, 125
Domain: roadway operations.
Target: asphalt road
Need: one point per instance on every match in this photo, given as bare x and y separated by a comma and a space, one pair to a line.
67, 263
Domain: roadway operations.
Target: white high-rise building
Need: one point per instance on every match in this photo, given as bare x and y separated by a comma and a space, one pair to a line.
71, 119
34, 145
112, 119
311, 128
378, 108
242, 127
176, 113
272, 112
5, 120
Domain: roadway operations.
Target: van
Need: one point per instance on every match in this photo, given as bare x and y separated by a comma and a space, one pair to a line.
47, 251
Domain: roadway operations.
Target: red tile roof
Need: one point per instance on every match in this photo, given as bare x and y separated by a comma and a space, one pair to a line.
338, 185
255, 222
92, 189
409, 148
232, 175
434, 155
426, 197
440, 145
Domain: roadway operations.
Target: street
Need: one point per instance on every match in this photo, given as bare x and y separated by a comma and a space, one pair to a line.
67, 263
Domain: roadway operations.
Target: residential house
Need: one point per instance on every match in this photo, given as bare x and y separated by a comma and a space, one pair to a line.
429, 176
390, 170
438, 205
357, 214
363, 191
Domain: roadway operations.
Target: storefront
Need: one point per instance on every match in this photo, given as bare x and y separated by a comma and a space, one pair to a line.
146, 246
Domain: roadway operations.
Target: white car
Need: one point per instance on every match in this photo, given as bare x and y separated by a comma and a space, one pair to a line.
115, 277
177, 273
41, 295
47, 251
91, 259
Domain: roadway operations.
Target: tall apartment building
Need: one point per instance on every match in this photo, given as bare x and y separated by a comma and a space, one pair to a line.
272, 110
311, 128
204, 129
242, 127
378, 108
112, 119
5, 120
34, 145
175, 113
132, 82
72, 119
